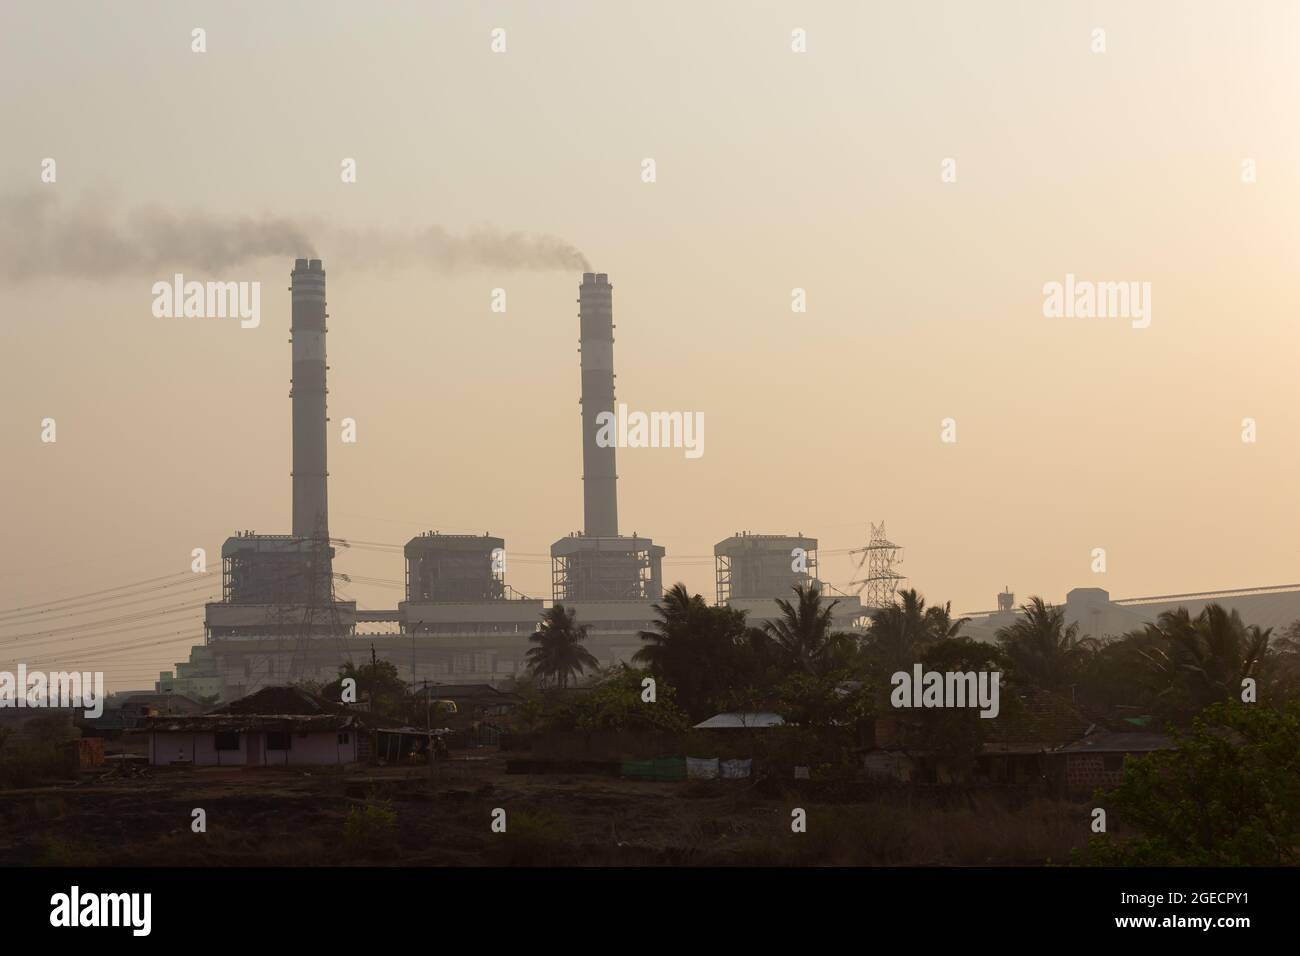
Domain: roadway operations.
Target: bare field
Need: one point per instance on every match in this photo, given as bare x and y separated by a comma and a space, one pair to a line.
333, 817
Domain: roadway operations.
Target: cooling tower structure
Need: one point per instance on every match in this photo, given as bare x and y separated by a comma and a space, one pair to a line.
460, 620
763, 566
599, 564
754, 571
455, 568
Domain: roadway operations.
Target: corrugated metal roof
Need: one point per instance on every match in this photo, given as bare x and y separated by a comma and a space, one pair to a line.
242, 723
1119, 743
741, 718
455, 691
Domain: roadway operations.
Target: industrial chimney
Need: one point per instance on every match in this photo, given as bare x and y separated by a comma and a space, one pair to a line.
596, 314
310, 502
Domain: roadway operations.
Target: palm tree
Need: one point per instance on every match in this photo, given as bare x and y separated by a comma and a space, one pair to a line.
559, 654
1284, 656
901, 632
940, 623
1200, 660
702, 652
1042, 648
678, 613
803, 634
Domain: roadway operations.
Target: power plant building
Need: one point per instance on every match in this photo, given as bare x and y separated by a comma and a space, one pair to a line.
279, 620
753, 571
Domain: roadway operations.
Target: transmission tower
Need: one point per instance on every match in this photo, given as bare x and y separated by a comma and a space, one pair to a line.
881, 580
321, 611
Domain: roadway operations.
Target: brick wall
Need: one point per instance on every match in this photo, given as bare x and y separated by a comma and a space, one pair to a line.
1085, 773
84, 752
886, 731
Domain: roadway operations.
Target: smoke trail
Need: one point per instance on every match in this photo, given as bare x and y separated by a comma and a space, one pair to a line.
435, 248
43, 237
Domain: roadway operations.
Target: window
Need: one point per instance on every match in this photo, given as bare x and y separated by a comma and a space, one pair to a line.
1112, 762
226, 741
277, 740
343, 738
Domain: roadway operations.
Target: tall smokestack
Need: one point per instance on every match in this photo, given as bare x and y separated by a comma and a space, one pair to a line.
310, 502
599, 491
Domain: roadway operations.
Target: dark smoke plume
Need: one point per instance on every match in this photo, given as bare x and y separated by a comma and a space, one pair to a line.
42, 237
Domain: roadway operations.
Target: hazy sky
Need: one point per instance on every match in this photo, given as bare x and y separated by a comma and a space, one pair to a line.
775, 170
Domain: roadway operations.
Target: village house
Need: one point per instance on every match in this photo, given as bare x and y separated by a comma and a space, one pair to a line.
1020, 746
124, 712
1097, 760
1040, 741
277, 726
473, 713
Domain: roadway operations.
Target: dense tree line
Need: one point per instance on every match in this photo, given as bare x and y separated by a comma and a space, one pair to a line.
715, 660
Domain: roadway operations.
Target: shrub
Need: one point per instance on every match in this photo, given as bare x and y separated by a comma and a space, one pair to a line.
29, 763
61, 853
370, 827
1229, 795
530, 840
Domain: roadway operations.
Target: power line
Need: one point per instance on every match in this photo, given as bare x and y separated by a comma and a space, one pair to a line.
69, 653
106, 622
93, 606
184, 635
77, 597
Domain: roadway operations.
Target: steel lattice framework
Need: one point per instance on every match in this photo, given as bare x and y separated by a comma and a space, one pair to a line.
879, 557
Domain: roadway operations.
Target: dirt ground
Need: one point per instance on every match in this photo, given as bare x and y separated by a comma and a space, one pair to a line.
337, 817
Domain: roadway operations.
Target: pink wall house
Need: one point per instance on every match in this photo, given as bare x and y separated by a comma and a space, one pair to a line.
253, 748
252, 741
275, 727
